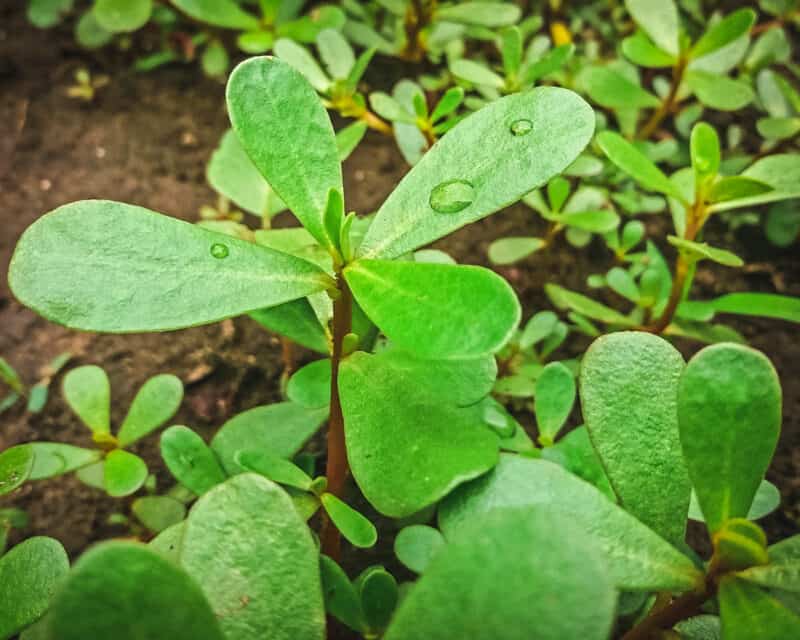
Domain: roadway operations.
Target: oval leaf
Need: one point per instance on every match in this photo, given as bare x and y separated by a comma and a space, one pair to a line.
16, 464
190, 460
88, 393
124, 473
154, 404
352, 525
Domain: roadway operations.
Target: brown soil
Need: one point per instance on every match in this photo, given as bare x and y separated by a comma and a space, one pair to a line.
145, 139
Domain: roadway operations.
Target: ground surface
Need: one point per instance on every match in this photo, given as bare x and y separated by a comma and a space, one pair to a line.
145, 140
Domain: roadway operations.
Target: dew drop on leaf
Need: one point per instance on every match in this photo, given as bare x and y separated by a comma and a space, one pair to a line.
219, 250
521, 127
452, 196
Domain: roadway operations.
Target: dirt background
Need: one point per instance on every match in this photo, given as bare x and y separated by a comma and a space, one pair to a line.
145, 140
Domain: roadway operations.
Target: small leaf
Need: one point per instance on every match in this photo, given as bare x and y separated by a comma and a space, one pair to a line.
53, 458
416, 545
124, 473
750, 614
126, 591
405, 300
539, 326
766, 305
448, 103
310, 386
705, 152
553, 399
719, 92
379, 595
740, 544
735, 187
336, 53
274, 468
215, 60
730, 28
566, 299
297, 321
550, 62
476, 73
158, 512
190, 460
16, 464
659, 19
30, 574
154, 404
600, 221
88, 393
342, 601
611, 89
220, 13
359, 531
122, 16
729, 411
484, 14
696, 251
512, 249
642, 51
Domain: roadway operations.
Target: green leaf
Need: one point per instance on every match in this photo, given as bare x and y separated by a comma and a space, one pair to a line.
781, 171
287, 133
359, 531
122, 16
336, 53
729, 411
281, 429
342, 601
16, 464
481, 166
783, 571
498, 578
158, 512
719, 92
778, 128
255, 42
642, 51
215, 60
106, 266
512, 249
736, 187
633, 162
126, 591
511, 50
47, 13
659, 20
53, 458
783, 224
484, 14
766, 500
274, 468
766, 305
408, 443
190, 460
168, 542
299, 58
550, 62
696, 251
407, 300
154, 404
297, 321
220, 13
730, 28
310, 386
30, 573
538, 327
750, 614
379, 596
88, 393
416, 545
565, 299
600, 221
255, 560
638, 559
705, 152
476, 73
124, 473
611, 89
553, 400
629, 386
576, 454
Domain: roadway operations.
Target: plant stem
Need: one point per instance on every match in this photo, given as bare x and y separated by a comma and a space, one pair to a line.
376, 123
418, 16
667, 617
667, 105
336, 469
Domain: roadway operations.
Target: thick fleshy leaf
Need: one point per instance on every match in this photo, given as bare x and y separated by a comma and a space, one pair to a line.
484, 14
705, 152
633, 162
408, 444
486, 162
154, 404
766, 305
748, 613
436, 310
659, 19
638, 559
553, 399
122, 16
297, 321
190, 460
730, 28
16, 464
129, 592
642, 51
358, 530
255, 560
609, 88
158, 513
511, 249
280, 429
124, 473
416, 545
30, 573
54, 458
379, 596
498, 578
288, 135
601, 221
629, 388
729, 410
220, 13
719, 92
88, 393
310, 386
106, 266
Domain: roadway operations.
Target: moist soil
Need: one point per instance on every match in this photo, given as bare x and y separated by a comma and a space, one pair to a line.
145, 139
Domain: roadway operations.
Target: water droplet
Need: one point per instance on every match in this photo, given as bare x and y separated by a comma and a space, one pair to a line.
219, 250
521, 127
452, 196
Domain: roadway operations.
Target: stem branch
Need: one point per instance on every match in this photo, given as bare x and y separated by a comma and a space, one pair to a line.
667, 105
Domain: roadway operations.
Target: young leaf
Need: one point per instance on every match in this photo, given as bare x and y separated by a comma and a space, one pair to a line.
297, 321
750, 614
641, 50
719, 92
659, 19
638, 559
359, 531
696, 251
124, 473
483, 164
783, 571
397, 427
126, 591
566, 299
274, 468
288, 135
553, 400
310, 386
30, 573
158, 513
629, 386
633, 162
550, 62
729, 411
406, 300
497, 579
16, 464
154, 404
737, 187
379, 595
730, 28
705, 152
88, 393
511, 50
342, 601
255, 560
130, 269
220, 13
449, 102
281, 429
122, 16
189, 459
512, 249
416, 545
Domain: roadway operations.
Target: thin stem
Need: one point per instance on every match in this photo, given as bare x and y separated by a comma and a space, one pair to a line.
377, 124
686, 606
337, 468
667, 105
